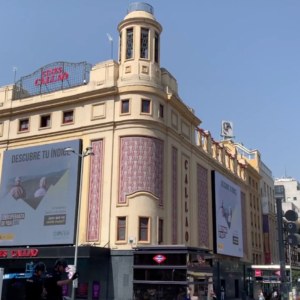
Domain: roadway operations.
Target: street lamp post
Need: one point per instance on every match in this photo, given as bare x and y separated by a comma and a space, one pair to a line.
88, 152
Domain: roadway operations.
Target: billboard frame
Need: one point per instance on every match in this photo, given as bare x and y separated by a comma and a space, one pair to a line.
80, 147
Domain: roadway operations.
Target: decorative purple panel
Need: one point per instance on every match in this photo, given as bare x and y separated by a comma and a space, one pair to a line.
202, 195
93, 224
141, 167
174, 195
244, 217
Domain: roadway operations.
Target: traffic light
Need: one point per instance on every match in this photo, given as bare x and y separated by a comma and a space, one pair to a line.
293, 239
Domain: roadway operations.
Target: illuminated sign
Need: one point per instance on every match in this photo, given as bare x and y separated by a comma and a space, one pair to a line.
19, 253
52, 75
159, 258
257, 272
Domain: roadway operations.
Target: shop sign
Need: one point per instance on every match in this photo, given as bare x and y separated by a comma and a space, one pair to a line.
277, 273
257, 272
159, 258
19, 253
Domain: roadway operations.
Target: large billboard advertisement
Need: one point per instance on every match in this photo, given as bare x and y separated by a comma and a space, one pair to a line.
228, 216
38, 195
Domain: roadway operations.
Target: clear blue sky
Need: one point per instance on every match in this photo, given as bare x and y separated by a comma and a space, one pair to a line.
233, 60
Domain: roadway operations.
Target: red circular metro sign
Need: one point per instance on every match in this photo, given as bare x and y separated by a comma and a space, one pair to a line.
159, 258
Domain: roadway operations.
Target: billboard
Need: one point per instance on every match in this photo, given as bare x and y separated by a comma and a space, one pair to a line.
38, 195
227, 129
228, 216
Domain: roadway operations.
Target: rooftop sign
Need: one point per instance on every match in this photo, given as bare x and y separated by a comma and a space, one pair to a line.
51, 78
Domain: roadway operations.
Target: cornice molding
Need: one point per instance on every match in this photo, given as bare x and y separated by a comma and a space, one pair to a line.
57, 102
140, 21
136, 89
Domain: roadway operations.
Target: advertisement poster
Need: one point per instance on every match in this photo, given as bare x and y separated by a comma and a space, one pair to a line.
65, 290
82, 291
38, 195
228, 213
96, 290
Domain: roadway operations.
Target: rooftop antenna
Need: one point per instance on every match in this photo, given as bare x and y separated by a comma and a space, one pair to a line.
111, 44
285, 171
15, 71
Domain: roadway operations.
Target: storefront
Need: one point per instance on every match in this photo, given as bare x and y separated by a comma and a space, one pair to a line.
93, 267
265, 278
168, 272
231, 276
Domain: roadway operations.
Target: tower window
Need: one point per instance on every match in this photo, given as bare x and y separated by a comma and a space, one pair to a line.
144, 43
120, 47
161, 111
146, 106
156, 47
129, 43
125, 106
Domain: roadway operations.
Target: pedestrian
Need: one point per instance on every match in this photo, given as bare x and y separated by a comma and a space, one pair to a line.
222, 293
261, 295
54, 282
34, 288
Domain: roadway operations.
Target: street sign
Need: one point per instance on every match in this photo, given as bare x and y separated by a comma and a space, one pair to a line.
291, 215
159, 258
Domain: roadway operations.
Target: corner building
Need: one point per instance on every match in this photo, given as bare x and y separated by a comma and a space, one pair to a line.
148, 188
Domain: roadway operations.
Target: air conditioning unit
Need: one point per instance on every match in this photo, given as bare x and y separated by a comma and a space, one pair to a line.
132, 240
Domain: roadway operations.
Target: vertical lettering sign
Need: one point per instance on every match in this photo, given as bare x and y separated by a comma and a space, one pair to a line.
186, 198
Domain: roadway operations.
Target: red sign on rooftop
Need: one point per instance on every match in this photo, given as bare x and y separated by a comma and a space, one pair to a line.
52, 75
51, 78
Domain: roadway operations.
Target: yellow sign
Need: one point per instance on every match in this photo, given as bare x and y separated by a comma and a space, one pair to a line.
7, 237
220, 246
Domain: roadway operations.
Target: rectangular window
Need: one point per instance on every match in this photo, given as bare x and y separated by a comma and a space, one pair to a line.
24, 125
160, 231
68, 117
125, 107
295, 198
143, 229
129, 43
156, 47
144, 43
121, 233
161, 111
146, 106
45, 121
